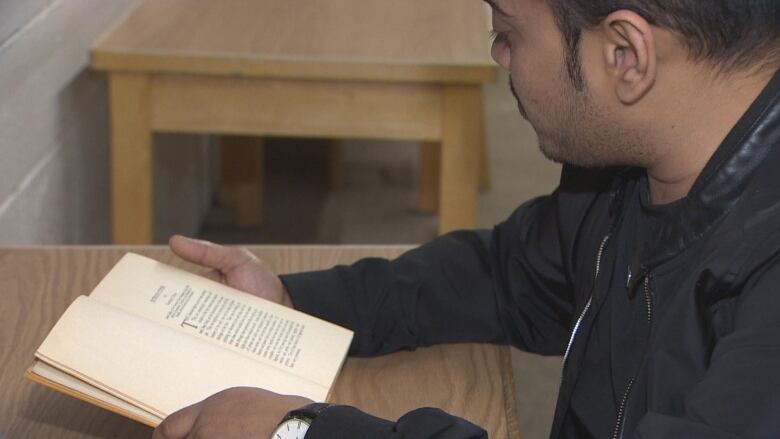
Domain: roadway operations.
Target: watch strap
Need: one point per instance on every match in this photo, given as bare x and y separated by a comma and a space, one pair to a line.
309, 411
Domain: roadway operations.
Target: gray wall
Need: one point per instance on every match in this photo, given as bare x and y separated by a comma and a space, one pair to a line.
54, 180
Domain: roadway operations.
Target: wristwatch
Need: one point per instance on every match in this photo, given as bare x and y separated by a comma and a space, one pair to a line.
297, 422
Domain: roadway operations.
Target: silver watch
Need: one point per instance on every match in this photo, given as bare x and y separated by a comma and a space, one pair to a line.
297, 422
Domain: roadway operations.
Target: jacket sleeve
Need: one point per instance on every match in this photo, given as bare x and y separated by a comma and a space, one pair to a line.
739, 396
510, 284
480, 286
507, 285
342, 422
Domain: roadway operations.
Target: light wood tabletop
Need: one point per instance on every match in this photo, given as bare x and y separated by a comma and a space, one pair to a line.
37, 284
405, 40
332, 69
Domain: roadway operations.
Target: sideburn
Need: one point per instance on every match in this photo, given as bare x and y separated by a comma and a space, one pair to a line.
571, 34
573, 59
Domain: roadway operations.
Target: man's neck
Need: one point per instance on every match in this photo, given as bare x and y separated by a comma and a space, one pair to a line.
688, 135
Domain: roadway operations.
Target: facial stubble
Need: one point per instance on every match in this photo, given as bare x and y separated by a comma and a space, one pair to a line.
580, 132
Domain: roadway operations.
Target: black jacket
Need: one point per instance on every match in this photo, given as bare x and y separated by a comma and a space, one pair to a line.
710, 363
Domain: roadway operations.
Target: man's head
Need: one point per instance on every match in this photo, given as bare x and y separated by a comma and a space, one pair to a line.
729, 35
586, 73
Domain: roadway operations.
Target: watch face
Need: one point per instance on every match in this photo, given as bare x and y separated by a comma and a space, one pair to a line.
291, 429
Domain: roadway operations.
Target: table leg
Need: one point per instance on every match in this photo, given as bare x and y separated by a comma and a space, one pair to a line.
430, 159
459, 158
131, 159
428, 184
484, 152
241, 186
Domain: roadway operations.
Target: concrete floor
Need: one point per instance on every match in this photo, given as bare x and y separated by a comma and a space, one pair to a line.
377, 203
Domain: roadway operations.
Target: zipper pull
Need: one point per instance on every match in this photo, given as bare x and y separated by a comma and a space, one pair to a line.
635, 277
628, 280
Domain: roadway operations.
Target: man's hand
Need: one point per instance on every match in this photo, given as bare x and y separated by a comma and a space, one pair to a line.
233, 266
237, 413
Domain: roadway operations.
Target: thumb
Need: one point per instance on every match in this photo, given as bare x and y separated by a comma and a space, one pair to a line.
208, 254
191, 250
178, 425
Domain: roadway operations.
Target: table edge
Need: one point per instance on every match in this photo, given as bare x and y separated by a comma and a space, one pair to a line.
161, 62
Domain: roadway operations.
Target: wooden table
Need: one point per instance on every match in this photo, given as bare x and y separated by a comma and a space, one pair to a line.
37, 284
377, 69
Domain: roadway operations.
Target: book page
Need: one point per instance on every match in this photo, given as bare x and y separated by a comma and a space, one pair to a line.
151, 366
259, 329
42, 373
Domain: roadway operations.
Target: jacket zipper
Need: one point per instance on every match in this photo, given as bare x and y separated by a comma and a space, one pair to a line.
576, 328
621, 416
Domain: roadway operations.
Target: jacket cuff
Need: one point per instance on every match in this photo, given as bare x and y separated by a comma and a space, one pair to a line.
322, 294
342, 421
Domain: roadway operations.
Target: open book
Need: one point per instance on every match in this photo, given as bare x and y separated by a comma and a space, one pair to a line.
151, 339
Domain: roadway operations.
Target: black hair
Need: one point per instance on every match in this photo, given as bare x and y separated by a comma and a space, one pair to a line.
731, 34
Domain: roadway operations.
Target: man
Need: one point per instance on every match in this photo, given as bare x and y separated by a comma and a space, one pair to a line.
654, 267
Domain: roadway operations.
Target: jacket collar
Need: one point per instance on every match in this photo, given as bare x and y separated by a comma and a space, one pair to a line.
721, 184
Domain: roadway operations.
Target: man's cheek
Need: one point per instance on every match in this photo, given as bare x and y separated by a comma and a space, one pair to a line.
520, 106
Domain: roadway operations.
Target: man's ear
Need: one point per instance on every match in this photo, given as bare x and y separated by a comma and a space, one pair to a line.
630, 54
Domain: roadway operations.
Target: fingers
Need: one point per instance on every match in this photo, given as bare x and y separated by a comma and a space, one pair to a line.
208, 254
179, 424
